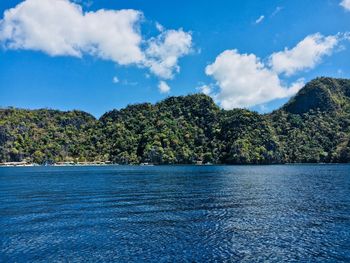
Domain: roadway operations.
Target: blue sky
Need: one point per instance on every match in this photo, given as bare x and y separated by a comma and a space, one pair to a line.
242, 53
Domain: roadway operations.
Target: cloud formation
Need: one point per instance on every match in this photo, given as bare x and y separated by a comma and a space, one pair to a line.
345, 4
59, 27
245, 81
163, 87
62, 28
305, 55
164, 51
276, 11
260, 19
205, 89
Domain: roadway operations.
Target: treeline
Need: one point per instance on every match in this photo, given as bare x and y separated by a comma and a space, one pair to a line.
314, 126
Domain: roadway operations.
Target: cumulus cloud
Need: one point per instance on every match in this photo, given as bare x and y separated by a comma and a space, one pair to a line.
87, 3
305, 55
159, 27
163, 87
245, 81
59, 27
205, 89
115, 80
260, 19
164, 51
345, 4
62, 28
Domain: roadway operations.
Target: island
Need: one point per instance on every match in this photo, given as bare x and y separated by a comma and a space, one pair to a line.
312, 127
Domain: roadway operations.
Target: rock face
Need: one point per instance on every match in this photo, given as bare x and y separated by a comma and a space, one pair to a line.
314, 126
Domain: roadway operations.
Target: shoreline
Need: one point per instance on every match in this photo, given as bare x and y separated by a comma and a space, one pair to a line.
150, 165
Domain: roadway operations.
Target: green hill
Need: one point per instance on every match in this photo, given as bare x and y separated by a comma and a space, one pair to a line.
314, 126
321, 94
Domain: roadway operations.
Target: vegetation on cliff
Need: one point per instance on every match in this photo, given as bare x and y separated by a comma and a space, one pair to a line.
314, 126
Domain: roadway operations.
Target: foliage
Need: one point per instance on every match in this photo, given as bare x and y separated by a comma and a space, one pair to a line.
314, 126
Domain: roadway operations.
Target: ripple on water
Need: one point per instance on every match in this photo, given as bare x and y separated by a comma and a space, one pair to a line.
181, 214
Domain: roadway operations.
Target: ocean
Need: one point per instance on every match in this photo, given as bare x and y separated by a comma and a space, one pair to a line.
275, 213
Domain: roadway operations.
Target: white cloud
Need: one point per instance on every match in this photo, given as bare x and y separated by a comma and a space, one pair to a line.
260, 19
245, 81
115, 80
205, 89
62, 28
305, 55
159, 27
163, 87
59, 27
345, 4
164, 51
276, 11
87, 3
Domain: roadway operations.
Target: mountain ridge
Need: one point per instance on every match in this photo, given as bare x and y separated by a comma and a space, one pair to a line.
313, 126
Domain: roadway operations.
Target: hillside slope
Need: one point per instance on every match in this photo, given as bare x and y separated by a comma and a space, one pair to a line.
314, 126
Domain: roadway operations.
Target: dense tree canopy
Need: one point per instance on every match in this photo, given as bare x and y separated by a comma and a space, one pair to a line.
314, 126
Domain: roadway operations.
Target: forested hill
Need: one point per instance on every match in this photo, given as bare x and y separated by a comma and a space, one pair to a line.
314, 126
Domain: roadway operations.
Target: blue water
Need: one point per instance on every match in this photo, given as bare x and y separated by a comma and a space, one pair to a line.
175, 214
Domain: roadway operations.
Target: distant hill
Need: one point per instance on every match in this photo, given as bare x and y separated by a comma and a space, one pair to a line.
314, 126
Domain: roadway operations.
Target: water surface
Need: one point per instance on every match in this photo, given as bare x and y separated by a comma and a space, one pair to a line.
175, 213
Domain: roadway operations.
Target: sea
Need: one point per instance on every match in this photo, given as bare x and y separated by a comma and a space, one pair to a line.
272, 213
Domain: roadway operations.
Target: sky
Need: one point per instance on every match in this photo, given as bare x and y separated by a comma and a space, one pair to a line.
99, 55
